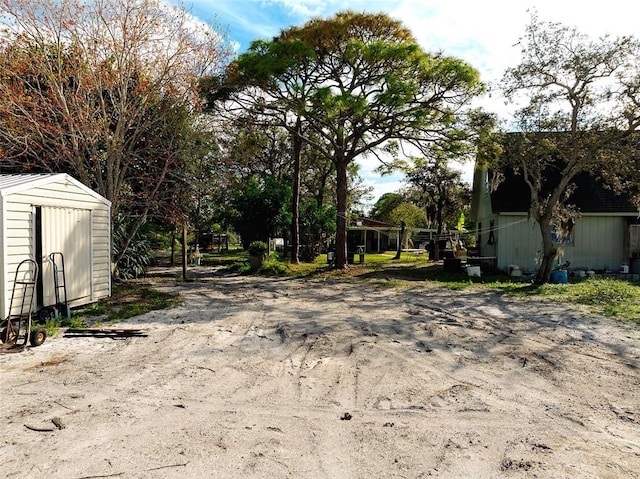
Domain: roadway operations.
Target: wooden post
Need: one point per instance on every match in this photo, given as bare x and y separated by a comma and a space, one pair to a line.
173, 245
184, 251
400, 238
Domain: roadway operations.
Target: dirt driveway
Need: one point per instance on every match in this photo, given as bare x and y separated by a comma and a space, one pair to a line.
271, 378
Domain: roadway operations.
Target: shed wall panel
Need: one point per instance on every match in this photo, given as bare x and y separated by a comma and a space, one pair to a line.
18, 236
18, 245
101, 229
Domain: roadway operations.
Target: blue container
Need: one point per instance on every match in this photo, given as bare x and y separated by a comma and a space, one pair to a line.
559, 277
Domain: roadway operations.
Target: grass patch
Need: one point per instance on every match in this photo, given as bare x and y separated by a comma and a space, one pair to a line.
609, 297
52, 326
128, 299
223, 259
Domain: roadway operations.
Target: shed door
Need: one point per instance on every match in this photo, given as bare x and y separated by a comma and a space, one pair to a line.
66, 231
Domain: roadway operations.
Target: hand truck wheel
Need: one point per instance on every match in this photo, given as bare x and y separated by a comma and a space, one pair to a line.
37, 337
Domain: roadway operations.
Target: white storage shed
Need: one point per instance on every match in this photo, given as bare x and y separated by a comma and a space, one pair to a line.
42, 214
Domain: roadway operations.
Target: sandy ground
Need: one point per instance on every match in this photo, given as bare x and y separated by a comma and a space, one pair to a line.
272, 378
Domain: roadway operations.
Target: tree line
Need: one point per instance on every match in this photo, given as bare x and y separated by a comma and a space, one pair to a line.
151, 109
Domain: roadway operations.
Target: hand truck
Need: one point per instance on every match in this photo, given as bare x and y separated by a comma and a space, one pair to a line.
18, 324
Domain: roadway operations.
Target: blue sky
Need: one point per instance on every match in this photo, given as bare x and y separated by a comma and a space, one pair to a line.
483, 33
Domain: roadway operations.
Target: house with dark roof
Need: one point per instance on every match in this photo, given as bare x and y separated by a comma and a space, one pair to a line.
604, 237
372, 236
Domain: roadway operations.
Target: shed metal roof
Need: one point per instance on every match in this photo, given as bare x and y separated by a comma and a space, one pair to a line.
12, 184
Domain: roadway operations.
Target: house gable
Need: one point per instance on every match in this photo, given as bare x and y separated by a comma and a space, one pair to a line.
602, 235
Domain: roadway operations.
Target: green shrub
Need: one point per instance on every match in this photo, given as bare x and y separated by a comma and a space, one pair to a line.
138, 254
272, 266
239, 267
258, 248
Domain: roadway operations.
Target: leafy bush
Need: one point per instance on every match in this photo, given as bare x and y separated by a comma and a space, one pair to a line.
274, 267
239, 267
258, 248
137, 256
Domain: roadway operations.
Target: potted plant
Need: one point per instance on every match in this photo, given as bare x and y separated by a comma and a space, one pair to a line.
257, 253
196, 256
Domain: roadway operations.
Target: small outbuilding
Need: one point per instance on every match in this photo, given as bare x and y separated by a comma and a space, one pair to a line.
41, 214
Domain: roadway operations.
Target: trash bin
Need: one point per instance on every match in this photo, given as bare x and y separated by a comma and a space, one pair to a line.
330, 257
559, 277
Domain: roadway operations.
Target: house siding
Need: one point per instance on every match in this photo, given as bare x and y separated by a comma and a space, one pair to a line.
598, 243
518, 242
484, 216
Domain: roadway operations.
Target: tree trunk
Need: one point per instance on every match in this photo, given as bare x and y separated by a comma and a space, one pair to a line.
172, 259
549, 252
184, 252
197, 222
440, 214
439, 225
295, 200
400, 240
341, 220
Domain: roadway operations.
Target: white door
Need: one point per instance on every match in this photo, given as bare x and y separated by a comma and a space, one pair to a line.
66, 231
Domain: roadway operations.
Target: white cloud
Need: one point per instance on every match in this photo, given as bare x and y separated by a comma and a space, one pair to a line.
303, 8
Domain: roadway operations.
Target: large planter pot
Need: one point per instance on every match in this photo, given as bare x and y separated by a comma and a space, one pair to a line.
255, 261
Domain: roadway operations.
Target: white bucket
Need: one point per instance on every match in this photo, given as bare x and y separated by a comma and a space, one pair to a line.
473, 271
624, 268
